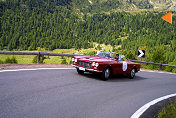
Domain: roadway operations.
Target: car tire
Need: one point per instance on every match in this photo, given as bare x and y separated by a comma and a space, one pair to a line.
132, 73
106, 74
80, 71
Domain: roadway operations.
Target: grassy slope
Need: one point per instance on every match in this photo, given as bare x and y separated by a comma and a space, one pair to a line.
169, 112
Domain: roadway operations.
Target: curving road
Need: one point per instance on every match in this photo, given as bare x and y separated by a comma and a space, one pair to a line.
65, 94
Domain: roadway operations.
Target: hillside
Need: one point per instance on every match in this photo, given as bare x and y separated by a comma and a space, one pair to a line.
97, 6
65, 24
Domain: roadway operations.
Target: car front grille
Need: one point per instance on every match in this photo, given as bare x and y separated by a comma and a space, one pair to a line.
84, 64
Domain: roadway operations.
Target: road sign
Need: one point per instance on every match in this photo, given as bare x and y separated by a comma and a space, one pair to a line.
141, 53
168, 17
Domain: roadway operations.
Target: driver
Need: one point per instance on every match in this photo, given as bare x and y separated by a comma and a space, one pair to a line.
117, 57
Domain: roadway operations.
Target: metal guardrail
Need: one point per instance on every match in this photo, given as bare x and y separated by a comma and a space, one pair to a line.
70, 55
39, 54
160, 64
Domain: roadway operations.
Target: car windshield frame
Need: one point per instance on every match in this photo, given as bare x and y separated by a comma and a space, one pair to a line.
110, 55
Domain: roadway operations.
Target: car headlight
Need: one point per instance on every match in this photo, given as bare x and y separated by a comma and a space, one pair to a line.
97, 64
93, 64
76, 60
73, 59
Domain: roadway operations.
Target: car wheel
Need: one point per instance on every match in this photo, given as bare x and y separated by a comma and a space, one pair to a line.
132, 73
80, 71
106, 74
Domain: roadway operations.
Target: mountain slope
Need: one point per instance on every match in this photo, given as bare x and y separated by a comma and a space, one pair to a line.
92, 6
163, 4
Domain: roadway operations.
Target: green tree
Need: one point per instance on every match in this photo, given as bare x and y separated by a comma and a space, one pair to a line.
130, 55
158, 55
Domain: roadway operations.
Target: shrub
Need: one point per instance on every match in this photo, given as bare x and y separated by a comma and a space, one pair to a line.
174, 70
10, 60
35, 59
62, 57
158, 56
13, 60
70, 62
64, 61
169, 69
1, 62
7, 60
130, 55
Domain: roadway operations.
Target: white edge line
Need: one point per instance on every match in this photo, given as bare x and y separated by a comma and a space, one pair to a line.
36, 69
140, 111
13, 70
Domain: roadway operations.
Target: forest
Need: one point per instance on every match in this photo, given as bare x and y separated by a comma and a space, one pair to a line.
54, 24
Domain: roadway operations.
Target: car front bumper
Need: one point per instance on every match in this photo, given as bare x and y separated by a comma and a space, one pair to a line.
87, 69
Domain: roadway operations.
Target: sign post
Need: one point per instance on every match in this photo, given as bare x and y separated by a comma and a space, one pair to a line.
140, 60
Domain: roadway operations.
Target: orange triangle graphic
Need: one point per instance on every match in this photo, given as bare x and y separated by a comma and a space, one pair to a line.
167, 17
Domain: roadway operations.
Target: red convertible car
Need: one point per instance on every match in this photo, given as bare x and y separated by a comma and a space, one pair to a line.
105, 63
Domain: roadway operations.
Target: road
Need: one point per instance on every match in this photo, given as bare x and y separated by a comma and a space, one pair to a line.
65, 94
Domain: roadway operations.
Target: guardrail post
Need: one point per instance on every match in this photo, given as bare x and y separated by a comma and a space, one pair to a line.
161, 66
38, 58
140, 59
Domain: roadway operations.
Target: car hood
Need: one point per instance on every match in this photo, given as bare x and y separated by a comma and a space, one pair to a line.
97, 59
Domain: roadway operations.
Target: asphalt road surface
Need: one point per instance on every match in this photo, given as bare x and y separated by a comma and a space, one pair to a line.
65, 94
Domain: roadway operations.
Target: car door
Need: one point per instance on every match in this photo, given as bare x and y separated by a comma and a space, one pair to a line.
121, 67
117, 67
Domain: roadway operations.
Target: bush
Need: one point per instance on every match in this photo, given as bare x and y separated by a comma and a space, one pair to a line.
169, 69
64, 61
70, 62
1, 62
158, 56
10, 60
13, 60
7, 60
35, 59
174, 70
130, 55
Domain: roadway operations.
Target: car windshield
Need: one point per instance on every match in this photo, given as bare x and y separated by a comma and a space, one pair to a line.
106, 54
110, 55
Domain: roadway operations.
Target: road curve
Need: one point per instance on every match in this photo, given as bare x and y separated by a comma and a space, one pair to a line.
65, 94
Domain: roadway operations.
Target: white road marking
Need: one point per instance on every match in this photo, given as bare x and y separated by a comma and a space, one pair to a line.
13, 70
36, 69
140, 111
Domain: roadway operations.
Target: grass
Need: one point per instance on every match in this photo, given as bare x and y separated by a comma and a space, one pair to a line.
27, 59
22, 59
168, 112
